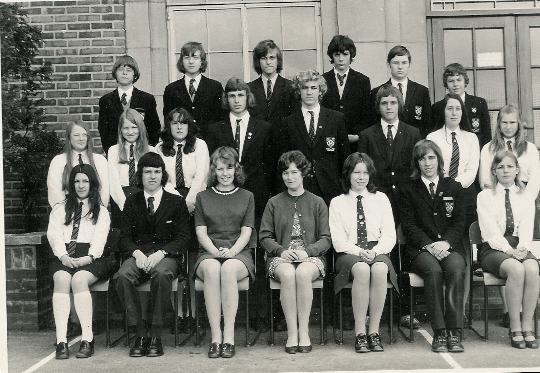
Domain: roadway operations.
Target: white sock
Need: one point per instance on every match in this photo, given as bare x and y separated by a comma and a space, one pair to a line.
83, 306
61, 307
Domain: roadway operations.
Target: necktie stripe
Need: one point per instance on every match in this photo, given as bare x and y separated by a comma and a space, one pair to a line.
132, 178
75, 232
123, 100
390, 135
454, 159
311, 132
179, 169
192, 90
268, 90
237, 136
151, 206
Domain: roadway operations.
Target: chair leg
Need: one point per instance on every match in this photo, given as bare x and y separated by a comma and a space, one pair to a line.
272, 342
126, 326
107, 325
536, 321
247, 318
391, 316
322, 318
176, 318
197, 337
411, 309
485, 314
341, 317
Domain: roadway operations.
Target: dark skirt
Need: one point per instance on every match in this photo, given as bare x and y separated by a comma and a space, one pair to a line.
345, 262
102, 268
490, 259
245, 256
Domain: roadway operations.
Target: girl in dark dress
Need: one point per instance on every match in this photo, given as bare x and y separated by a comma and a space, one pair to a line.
77, 232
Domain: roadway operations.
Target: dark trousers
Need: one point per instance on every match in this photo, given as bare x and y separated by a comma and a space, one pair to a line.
445, 305
161, 277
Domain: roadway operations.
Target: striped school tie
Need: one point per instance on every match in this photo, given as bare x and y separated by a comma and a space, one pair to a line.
454, 159
75, 232
132, 178
179, 169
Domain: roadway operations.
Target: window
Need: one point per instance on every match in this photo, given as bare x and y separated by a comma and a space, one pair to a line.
230, 32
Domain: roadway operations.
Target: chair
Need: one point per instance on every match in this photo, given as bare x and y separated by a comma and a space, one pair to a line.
415, 282
243, 285
485, 279
390, 313
317, 284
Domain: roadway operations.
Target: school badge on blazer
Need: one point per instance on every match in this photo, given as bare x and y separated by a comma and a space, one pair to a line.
475, 122
449, 206
330, 144
418, 112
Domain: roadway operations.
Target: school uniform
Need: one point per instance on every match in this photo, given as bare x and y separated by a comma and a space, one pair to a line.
326, 152
55, 191
167, 228
280, 103
204, 106
392, 162
350, 98
425, 219
111, 108
417, 105
477, 112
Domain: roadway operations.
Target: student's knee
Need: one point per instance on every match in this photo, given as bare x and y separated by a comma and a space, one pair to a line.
62, 282
361, 273
513, 269
286, 273
379, 270
80, 282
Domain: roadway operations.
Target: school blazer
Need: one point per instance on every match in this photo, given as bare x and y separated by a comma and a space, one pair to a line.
477, 112
281, 102
328, 150
110, 109
257, 156
417, 107
205, 109
425, 220
393, 167
168, 229
355, 101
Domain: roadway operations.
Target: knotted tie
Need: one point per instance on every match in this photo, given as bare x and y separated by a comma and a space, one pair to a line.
268, 90
132, 178
192, 89
151, 206
400, 87
179, 170
311, 132
454, 160
237, 136
80, 160
123, 100
75, 232
390, 136
361, 232
432, 190
341, 79
509, 143
509, 215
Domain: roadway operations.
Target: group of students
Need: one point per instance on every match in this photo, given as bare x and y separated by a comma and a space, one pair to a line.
269, 164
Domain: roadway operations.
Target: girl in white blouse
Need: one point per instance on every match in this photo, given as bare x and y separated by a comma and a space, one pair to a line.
363, 234
77, 150
77, 232
506, 219
179, 139
123, 157
510, 135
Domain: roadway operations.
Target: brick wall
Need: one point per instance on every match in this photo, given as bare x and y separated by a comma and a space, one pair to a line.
82, 40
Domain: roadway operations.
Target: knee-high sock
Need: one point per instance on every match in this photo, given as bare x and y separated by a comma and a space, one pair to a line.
83, 306
61, 307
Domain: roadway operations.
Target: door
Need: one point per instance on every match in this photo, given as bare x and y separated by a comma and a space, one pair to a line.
486, 47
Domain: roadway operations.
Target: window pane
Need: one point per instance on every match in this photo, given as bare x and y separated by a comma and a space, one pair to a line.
493, 119
296, 61
458, 47
535, 74
536, 124
489, 47
225, 30
491, 86
223, 66
535, 45
263, 23
190, 26
299, 28
470, 87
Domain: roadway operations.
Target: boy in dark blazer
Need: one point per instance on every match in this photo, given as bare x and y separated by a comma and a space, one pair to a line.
433, 222
348, 90
126, 72
416, 102
319, 133
155, 234
455, 79
390, 143
199, 95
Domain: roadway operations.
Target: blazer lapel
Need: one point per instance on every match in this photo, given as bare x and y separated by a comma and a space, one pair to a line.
348, 84
158, 215
424, 192
400, 138
251, 132
410, 92
116, 101
276, 92
380, 139
184, 94
300, 126
143, 206
323, 114
201, 89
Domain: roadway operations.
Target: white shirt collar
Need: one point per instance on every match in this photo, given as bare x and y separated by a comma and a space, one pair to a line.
157, 197
354, 194
315, 110
128, 92
273, 80
501, 189
403, 83
245, 119
385, 125
427, 181
346, 73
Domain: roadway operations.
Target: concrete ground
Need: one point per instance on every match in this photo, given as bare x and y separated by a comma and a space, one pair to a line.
33, 350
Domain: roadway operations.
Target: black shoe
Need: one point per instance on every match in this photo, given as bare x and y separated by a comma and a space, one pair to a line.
86, 349
404, 321
530, 344
374, 342
62, 350
517, 344
154, 348
505, 321
139, 347
439, 343
228, 350
214, 351
453, 341
305, 349
291, 350
361, 343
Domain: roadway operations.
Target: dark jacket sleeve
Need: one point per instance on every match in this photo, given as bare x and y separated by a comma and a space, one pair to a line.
151, 119
485, 123
178, 245
168, 99
267, 234
428, 125
127, 224
104, 124
343, 139
217, 112
366, 117
321, 246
